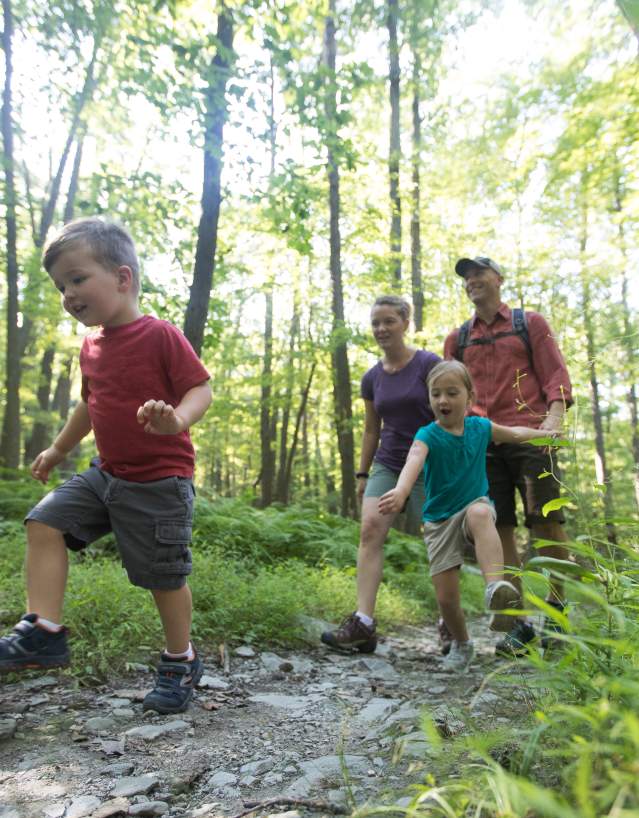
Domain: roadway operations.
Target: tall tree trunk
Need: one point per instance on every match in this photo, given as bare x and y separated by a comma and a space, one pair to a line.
61, 402
601, 465
10, 442
42, 426
301, 412
214, 119
267, 415
306, 461
628, 342
339, 353
282, 491
415, 222
395, 144
85, 95
69, 207
266, 441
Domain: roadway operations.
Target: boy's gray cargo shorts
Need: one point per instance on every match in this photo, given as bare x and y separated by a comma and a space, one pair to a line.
152, 522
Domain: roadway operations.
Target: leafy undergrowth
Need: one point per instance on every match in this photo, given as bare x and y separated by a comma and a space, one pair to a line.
572, 750
255, 573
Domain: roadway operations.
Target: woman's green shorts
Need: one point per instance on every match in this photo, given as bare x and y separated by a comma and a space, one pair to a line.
382, 479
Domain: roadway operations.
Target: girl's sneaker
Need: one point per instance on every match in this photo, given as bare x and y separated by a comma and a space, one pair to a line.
445, 637
174, 685
459, 657
499, 596
32, 646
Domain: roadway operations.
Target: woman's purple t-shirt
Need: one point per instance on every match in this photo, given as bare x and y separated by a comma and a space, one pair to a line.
401, 401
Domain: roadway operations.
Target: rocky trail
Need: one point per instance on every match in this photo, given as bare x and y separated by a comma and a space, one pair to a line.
305, 725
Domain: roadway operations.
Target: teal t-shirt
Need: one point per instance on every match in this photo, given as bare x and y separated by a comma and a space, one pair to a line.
455, 469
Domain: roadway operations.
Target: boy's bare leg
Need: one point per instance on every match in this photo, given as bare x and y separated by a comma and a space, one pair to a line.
449, 600
47, 567
370, 556
175, 608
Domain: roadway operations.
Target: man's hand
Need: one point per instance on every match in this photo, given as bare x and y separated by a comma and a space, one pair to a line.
160, 418
392, 502
45, 461
552, 423
361, 487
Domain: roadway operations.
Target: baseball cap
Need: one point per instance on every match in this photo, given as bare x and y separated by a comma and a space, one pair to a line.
464, 265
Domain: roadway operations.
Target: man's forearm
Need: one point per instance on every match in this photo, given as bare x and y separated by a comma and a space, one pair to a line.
75, 429
557, 409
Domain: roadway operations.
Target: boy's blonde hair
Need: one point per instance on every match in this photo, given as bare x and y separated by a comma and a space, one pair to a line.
450, 368
110, 244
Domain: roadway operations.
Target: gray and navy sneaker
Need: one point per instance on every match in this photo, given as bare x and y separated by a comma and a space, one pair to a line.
32, 646
352, 634
518, 641
459, 657
175, 682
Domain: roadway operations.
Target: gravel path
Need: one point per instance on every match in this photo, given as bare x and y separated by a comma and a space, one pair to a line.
305, 725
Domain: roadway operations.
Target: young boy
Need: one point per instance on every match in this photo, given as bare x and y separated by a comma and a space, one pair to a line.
142, 388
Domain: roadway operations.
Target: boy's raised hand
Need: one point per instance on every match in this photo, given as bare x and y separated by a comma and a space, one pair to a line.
160, 418
392, 502
45, 461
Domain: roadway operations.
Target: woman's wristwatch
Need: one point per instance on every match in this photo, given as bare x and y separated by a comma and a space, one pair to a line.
361, 474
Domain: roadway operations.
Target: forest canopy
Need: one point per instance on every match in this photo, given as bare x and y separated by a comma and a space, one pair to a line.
281, 165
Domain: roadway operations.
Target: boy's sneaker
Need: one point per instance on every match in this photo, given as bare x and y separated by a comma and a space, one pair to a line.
550, 627
30, 646
174, 684
499, 596
445, 636
352, 634
517, 641
459, 657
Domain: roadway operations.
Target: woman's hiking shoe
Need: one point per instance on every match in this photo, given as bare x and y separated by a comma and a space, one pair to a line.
459, 657
517, 642
499, 596
352, 634
174, 685
31, 646
445, 636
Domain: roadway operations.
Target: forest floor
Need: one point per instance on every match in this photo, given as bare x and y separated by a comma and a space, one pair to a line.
309, 724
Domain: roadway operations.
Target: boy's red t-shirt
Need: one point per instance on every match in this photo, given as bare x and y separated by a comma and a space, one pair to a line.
122, 368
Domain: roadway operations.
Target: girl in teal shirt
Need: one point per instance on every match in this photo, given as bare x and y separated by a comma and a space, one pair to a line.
452, 454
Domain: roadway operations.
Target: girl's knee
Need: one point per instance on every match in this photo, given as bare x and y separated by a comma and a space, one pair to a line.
480, 514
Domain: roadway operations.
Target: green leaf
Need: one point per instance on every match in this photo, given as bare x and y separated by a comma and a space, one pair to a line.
553, 505
550, 441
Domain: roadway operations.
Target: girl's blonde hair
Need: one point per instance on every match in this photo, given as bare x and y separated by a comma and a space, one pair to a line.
450, 368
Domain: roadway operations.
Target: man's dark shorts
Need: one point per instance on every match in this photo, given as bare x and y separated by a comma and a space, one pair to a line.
513, 466
152, 522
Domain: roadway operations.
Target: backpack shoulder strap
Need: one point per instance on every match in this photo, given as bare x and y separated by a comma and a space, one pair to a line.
520, 327
462, 340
